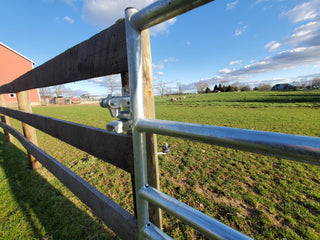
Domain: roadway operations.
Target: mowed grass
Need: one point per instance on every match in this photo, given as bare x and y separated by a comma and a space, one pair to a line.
263, 197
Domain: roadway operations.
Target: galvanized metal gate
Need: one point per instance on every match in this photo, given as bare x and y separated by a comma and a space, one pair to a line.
300, 148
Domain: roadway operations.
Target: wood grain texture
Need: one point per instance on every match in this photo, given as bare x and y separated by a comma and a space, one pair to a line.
5, 119
113, 215
152, 156
28, 131
111, 147
103, 54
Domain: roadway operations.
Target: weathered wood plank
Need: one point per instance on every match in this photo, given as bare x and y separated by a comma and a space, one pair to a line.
113, 215
5, 119
152, 156
29, 132
103, 54
111, 147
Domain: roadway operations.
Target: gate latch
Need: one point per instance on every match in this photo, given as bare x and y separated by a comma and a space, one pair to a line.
119, 107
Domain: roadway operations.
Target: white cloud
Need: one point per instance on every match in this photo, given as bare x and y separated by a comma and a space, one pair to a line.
304, 11
305, 35
304, 44
292, 58
162, 27
240, 30
68, 19
272, 46
303, 50
105, 13
160, 73
158, 66
103, 81
224, 71
163, 61
231, 5
170, 59
188, 43
236, 62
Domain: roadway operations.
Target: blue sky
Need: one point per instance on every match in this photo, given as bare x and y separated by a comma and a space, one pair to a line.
240, 41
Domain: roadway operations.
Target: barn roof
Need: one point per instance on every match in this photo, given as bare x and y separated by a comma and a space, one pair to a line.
2, 44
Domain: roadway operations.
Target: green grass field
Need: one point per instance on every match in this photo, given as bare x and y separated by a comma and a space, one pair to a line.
263, 197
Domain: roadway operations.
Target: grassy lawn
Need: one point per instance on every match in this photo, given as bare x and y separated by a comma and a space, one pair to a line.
264, 197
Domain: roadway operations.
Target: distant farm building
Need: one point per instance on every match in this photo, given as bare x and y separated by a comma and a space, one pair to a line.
282, 87
13, 65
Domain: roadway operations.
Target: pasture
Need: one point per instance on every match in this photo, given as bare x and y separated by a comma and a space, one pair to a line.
263, 197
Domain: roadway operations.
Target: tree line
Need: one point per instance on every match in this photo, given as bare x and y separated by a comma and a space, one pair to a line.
203, 87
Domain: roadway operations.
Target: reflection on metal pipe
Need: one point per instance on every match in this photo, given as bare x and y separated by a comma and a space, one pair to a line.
294, 147
152, 232
161, 11
133, 38
201, 222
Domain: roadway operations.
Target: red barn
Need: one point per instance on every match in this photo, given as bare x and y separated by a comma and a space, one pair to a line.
13, 65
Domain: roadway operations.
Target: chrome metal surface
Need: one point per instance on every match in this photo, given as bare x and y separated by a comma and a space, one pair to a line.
201, 222
300, 148
152, 232
294, 147
115, 104
161, 11
137, 111
119, 107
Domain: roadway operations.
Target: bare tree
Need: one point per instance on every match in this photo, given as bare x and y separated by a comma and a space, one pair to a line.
201, 86
162, 88
264, 87
245, 88
112, 82
315, 83
58, 90
179, 85
45, 92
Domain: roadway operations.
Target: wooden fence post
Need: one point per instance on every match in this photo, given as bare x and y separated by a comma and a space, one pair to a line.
152, 157
5, 119
29, 132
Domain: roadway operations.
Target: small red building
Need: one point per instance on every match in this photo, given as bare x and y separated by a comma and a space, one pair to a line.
13, 65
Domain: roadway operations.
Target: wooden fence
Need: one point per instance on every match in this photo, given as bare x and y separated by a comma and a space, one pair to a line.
102, 54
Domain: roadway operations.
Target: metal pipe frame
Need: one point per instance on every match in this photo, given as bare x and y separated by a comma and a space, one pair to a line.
133, 38
294, 147
161, 11
301, 148
152, 232
201, 222
135, 22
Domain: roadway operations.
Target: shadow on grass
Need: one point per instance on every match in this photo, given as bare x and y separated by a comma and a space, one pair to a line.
50, 214
280, 98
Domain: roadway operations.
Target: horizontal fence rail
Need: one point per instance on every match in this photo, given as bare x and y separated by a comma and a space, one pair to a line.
111, 147
101, 55
294, 147
114, 216
153, 232
201, 222
105, 54
161, 11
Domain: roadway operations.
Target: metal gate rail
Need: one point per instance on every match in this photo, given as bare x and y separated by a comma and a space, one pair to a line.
294, 147
300, 148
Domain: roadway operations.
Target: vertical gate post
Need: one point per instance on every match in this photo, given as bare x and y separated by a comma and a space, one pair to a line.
29, 132
5, 119
151, 139
125, 84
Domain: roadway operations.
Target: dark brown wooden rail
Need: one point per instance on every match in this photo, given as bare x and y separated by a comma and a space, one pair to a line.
119, 220
103, 54
111, 147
